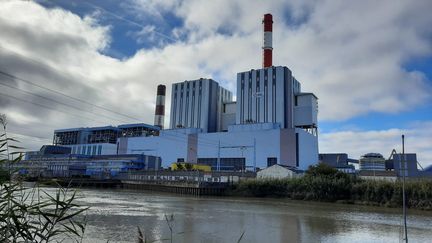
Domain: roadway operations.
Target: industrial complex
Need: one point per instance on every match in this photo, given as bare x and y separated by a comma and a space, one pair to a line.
271, 122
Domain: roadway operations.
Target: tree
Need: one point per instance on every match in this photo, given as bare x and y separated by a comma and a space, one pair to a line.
188, 166
322, 169
179, 166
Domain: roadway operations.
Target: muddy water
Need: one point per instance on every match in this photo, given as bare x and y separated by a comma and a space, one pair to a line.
115, 215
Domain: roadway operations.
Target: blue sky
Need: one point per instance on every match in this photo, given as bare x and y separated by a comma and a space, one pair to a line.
124, 44
370, 64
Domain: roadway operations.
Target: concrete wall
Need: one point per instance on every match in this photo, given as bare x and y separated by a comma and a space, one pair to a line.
241, 144
190, 145
308, 149
306, 110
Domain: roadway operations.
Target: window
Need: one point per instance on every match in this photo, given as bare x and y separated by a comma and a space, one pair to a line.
94, 150
99, 149
180, 160
88, 150
271, 161
83, 150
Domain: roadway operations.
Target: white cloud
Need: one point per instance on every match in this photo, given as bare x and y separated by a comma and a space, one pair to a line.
351, 54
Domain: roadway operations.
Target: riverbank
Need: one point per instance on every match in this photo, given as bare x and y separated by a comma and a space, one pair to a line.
341, 189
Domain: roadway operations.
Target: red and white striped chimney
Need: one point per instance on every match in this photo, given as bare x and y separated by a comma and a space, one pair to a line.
160, 106
268, 39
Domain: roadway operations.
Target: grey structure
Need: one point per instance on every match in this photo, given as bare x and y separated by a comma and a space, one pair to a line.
198, 104
100, 140
57, 161
339, 161
266, 95
106, 134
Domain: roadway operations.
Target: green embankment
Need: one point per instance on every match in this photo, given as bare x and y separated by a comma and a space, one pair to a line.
323, 183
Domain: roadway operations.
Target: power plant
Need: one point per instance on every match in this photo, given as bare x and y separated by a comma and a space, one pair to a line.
271, 122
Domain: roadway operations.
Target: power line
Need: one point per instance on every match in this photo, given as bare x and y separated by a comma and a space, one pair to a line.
59, 102
47, 107
63, 94
34, 138
128, 20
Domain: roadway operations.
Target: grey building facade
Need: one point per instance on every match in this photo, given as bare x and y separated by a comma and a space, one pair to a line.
266, 95
198, 104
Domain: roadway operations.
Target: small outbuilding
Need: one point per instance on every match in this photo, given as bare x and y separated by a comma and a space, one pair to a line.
278, 171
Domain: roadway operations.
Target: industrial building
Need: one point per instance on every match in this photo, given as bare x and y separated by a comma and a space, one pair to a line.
372, 161
100, 140
339, 161
272, 122
279, 172
57, 161
198, 104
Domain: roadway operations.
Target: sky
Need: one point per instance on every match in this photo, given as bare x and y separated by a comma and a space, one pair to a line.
70, 63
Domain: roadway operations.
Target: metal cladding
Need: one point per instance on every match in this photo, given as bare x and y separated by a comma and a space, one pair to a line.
268, 39
160, 106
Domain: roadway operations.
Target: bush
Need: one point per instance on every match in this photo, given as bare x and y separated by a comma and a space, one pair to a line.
32, 215
323, 183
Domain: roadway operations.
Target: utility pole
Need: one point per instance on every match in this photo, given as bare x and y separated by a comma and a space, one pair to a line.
218, 158
254, 155
403, 189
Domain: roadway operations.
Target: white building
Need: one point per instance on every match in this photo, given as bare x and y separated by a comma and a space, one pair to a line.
243, 147
278, 172
272, 122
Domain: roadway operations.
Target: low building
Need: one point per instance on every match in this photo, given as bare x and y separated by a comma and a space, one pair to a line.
339, 161
278, 171
54, 162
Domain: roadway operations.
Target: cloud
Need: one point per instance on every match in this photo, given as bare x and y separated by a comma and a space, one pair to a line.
358, 142
351, 54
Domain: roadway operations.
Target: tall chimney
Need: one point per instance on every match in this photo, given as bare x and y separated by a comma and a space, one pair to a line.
268, 39
160, 106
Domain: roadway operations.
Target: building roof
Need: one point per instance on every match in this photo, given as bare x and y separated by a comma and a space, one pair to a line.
86, 129
293, 169
124, 126
303, 94
138, 125
373, 155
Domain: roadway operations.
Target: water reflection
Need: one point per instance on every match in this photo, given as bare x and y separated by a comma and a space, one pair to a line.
115, 214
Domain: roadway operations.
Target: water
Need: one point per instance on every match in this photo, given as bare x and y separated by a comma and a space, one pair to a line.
115, 214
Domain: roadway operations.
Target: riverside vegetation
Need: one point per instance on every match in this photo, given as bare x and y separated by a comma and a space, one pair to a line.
324, 183
31, 214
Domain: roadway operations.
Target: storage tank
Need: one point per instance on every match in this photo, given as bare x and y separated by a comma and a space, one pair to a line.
372, 161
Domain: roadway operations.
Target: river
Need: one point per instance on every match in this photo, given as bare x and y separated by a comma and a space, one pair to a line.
115, 214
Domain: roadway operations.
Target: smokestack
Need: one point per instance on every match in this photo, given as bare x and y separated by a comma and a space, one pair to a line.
160, 106
268, 39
